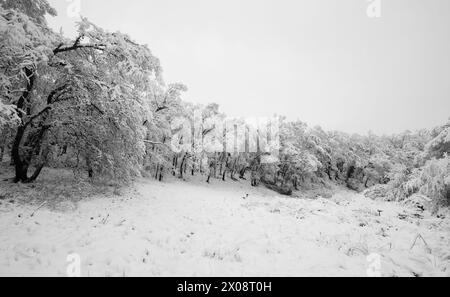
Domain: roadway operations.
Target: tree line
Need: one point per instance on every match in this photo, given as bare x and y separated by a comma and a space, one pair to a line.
99, 105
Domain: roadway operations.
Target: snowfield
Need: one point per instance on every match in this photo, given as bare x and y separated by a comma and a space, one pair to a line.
182, 228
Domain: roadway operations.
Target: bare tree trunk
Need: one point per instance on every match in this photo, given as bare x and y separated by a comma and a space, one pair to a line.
194, 162
89, 168
224, 175
212, 168
221, 167
21, 166
295, 181
215, 166
227, 166
2, 151
36, 173
183, 161
242, 172
175, 165
161, 171
157, 171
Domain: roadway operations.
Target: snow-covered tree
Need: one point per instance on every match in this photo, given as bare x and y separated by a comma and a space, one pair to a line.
35, 9
90, 95
440, 145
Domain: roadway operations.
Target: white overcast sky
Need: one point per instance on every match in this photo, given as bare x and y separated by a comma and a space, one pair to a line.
324, 62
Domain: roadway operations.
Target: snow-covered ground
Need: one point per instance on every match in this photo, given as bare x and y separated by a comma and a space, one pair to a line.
182, 228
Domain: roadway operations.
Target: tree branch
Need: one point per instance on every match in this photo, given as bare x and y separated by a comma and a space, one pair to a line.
48, 108
97, 108
155, 143
76, 45
159, 109
53, 94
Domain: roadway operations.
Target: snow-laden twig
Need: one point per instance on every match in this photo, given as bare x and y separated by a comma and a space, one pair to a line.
105, 220
423, 240
40, 206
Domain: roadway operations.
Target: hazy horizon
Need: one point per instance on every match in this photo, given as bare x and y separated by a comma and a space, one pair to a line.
323, 62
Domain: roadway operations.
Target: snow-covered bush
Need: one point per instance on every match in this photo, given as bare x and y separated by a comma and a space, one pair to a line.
435, 181
440, 145
399, 177
431, 181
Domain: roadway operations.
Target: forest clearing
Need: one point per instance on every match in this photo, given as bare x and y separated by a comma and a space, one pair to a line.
186, 229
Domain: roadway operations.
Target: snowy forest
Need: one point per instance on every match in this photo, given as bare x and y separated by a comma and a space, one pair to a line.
98, 107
